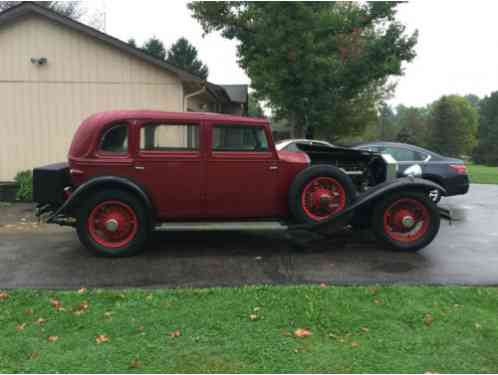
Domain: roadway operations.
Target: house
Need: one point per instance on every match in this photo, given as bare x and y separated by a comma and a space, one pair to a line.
55, 72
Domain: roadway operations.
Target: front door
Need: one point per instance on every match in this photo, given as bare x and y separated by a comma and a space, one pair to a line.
241, 172
169, 165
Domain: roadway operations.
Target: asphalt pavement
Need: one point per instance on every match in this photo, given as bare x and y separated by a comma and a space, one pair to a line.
45, 256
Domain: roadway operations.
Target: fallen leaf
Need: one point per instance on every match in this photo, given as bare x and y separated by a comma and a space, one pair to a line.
81, 290
374, 290
428, 319
41, 321
253, 317
108, 314
323, 285
82, 307
4, 296
29, 311
34, 355
135, 364
355, 344
377, 301
141, 328
56, 304
53, 338
101, 339
364, 329
175, 333
302, 332
20, 327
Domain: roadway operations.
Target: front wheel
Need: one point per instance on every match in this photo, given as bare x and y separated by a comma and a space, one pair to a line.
113, 223
320, 192
406, 221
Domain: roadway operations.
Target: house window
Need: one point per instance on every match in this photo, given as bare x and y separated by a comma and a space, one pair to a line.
115, 139
239, 138
169, 137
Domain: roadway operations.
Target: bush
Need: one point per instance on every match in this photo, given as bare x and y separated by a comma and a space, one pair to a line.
24, 180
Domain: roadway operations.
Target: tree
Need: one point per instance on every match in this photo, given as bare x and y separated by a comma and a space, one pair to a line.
487, 150
132, 42
184, 55
312, 60
454, 123
413, 125
255, 109
155, 47
71, 9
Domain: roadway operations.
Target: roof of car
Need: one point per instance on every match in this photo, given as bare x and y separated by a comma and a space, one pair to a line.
395, 144
115, 116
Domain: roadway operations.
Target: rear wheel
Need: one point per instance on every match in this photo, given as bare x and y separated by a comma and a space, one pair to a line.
320, 192
113, 223
406, 221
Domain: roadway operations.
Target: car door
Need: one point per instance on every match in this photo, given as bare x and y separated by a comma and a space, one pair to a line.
169, 165
241, 172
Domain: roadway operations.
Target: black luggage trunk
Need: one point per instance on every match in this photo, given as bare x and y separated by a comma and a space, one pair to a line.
49, 183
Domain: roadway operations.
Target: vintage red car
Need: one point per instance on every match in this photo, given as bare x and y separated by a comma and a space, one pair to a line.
129, 171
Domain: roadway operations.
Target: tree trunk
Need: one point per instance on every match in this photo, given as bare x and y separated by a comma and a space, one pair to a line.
297, 127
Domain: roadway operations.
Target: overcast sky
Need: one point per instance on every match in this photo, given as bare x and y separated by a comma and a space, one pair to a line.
457, 52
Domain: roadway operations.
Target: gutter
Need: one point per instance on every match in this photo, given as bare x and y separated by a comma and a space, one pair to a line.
191, 95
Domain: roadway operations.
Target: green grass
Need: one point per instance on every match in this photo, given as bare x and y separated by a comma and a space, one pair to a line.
482, 174
354, 329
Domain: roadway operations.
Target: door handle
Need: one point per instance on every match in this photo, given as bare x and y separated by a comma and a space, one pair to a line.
139, 168
273, 168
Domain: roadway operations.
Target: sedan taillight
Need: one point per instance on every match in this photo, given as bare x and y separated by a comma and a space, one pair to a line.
459, 168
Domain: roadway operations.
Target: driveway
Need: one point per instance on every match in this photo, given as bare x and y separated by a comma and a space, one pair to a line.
465, 252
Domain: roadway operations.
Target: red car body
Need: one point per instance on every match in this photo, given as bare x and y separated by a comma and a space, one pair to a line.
193, 184
129, 171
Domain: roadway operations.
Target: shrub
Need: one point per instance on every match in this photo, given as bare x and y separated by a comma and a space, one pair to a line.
24, 180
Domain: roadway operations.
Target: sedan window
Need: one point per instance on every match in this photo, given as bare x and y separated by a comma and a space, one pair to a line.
403, 154
239, 138
169, 137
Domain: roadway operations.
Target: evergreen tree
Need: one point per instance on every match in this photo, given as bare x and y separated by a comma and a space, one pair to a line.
184, 55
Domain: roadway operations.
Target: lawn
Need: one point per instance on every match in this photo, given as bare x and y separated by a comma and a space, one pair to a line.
251, 329
482, 174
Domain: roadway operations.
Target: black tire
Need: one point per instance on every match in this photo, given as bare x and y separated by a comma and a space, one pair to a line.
304, 177
425, 238
138, 239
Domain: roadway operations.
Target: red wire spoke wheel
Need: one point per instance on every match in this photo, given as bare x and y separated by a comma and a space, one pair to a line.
112, 224
323, 197
406, 220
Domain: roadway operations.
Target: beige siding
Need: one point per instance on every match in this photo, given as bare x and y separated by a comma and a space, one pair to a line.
41, 106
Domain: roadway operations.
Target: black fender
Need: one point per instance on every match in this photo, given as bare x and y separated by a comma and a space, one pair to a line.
107, 182
367, 198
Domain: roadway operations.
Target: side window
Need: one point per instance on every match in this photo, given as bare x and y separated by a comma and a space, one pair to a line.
115, 139
169, 137
401, 154
239, 138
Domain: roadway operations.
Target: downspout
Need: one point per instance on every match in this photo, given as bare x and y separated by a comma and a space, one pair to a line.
191, 95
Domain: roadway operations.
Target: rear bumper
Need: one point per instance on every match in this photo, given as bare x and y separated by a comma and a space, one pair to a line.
457, 185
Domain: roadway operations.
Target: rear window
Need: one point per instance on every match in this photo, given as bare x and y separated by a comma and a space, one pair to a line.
115, 139
239, 138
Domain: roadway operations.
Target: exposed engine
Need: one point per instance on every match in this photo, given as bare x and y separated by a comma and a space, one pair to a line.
365, 168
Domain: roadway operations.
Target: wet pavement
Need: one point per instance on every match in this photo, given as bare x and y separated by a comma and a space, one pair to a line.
464, 252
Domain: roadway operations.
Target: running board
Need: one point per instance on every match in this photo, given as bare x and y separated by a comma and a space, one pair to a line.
221, 226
